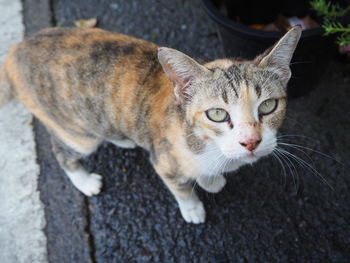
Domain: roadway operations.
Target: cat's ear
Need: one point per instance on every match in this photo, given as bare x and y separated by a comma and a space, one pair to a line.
181, 70
280, 55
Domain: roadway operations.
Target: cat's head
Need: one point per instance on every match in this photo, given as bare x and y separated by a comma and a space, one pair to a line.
237, 106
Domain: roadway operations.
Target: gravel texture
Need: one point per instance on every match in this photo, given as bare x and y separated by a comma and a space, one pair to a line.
261, 215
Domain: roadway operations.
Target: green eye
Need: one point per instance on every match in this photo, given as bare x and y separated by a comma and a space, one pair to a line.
217, 115
268, 106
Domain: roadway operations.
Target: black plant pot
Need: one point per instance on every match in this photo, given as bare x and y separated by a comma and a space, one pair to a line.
311, 57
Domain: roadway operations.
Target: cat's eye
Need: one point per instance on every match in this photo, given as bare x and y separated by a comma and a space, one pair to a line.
268, 106
217, 115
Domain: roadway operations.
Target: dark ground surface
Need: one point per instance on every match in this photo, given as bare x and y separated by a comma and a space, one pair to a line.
260, 216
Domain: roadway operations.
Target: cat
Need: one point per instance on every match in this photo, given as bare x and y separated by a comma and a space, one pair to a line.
197, 121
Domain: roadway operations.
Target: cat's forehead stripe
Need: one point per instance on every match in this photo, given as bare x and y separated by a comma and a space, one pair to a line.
224, 96
242, 74
257, 90
231, 81
235, 72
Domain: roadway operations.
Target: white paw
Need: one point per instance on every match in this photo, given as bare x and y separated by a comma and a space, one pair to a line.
195, 214
212, 184
88, 184
91, 185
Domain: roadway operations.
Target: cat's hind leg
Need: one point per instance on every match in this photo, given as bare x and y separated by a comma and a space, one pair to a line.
70, 161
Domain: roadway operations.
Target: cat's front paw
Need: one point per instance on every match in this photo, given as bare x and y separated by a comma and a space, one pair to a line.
92, 185
193, 214
212, 184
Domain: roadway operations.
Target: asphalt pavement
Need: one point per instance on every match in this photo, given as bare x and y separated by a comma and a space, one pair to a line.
265, 213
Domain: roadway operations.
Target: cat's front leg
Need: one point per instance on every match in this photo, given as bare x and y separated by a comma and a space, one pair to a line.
191, 208
212, 184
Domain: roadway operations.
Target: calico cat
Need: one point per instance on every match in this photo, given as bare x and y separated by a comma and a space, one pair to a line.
197, 121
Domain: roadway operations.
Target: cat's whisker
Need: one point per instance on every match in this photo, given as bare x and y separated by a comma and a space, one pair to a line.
218, 164
282, 165
213, 157
291, 168
295, 146
267, 146
213, 151
294, 135
300, 62
227, 161
301, 148
290, 160
306, 165
209, 158
296, 173
223, 165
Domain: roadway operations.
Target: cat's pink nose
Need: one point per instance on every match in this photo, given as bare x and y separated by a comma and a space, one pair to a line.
251, 144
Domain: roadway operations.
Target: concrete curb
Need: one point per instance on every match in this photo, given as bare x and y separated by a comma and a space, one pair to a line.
66, 213
22, 214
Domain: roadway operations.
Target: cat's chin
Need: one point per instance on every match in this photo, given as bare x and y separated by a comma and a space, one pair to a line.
253, 157
248, 158
245, 158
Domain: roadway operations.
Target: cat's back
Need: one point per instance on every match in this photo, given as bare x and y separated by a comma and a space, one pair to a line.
80, 47
67, 74
80, 59
53, 41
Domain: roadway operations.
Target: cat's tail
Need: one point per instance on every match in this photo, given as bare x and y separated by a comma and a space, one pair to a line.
6, 93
